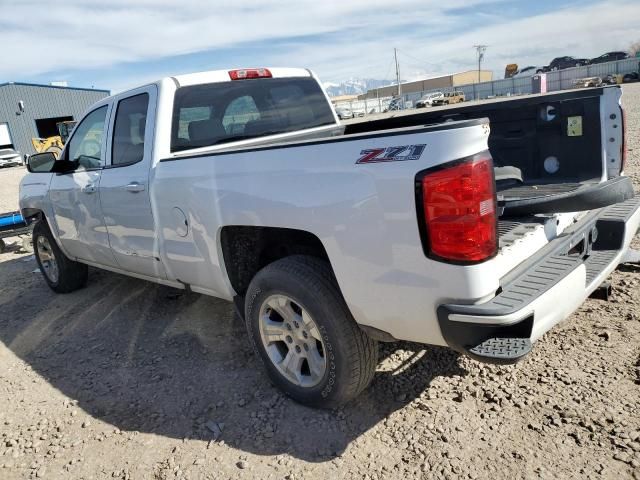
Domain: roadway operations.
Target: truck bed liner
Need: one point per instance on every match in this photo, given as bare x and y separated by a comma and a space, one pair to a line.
536, 191
563, 197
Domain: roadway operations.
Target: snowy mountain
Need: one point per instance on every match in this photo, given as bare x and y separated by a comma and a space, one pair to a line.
354, 86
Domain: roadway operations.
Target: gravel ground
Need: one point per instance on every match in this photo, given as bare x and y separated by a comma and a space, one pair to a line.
9, 187
129, 380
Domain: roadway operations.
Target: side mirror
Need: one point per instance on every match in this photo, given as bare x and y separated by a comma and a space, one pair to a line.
41, 162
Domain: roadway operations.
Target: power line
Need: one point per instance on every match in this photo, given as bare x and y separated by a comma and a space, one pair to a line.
386, 75
422, 63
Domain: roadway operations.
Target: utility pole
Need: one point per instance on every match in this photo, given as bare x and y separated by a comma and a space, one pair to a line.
480, 49
395, 55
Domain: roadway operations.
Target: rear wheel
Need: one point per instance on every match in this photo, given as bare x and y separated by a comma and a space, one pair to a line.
303, 332
62, 274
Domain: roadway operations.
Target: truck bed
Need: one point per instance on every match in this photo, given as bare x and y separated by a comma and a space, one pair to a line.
527, 131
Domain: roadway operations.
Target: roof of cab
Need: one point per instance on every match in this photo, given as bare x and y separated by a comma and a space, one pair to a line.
215, 76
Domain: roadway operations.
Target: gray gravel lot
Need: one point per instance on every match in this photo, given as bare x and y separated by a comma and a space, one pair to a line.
130, 380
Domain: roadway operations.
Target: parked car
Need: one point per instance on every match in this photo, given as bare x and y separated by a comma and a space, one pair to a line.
344, 113
329, 238
449, 98
526, 72
560, 63
609, 57
427, 100
611, 79
587, 82
9, 157
630, 77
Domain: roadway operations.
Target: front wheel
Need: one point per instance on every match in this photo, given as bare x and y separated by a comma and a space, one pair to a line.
302, 330
62, 274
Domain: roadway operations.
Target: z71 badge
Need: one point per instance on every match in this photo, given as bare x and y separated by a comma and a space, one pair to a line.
391, 154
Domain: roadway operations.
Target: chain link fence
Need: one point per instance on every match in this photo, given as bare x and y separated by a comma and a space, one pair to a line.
556, 80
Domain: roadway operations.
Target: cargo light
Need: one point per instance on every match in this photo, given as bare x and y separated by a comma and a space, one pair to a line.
249, 73
457, 210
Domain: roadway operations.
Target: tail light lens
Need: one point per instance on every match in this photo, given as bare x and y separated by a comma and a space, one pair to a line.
457, 204
249, 73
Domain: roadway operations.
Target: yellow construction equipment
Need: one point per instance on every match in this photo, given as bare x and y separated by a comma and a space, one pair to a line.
510, 70
56, 143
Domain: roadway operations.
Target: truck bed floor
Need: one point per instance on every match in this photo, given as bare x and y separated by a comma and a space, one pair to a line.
534, 191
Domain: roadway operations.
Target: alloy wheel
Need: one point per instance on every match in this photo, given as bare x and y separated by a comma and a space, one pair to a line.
292, 341
47, 259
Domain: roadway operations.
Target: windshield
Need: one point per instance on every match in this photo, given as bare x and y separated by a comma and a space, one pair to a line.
215, 113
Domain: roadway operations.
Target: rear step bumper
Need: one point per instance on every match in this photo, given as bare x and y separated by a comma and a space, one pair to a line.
545, 289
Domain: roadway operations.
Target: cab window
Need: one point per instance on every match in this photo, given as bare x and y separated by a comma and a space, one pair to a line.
216, 113
129, 130
85, 147
240, 111
189, 115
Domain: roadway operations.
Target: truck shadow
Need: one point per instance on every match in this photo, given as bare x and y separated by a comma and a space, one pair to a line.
151, 359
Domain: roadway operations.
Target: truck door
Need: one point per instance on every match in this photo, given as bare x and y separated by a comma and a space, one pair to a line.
124, 187
74, 195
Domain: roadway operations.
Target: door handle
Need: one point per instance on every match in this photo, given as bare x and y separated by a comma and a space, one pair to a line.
135, 187
89, 188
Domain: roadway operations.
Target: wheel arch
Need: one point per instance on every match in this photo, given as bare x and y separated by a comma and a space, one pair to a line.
32, 214
248, 249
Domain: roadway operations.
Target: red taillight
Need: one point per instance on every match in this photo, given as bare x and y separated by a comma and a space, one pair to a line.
623, 146
249, 73
459, 209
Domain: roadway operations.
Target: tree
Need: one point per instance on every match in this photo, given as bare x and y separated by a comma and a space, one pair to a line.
634, 49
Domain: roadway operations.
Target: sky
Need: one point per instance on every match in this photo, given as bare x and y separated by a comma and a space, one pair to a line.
119, 44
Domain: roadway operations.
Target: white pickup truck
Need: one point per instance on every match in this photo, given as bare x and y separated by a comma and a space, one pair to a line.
432, 228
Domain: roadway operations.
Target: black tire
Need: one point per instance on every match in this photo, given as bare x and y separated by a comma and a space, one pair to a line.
71, 275
351, 355
3, 246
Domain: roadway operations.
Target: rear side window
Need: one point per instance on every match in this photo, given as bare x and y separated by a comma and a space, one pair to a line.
129, 130
211, 114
